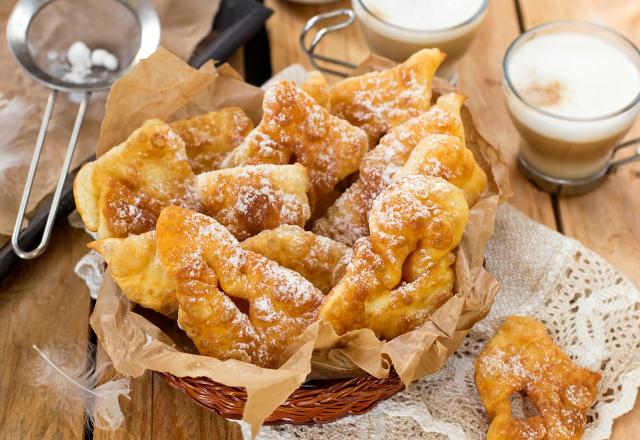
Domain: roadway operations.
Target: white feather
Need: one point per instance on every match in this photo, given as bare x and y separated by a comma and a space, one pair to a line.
78, 384
13, 117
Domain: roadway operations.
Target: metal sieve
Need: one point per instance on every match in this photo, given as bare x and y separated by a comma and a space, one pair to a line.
18, 27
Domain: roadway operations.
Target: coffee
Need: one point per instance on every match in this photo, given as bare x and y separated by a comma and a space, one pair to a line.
572, 95
397, 30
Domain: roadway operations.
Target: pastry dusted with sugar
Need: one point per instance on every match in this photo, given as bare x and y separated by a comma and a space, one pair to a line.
403, 271
135, 267
319, 259
379, 101
210, 137
522, 358
215, 276
250, 199
347, 219
316, 86
123, 191
442, 155
295, 127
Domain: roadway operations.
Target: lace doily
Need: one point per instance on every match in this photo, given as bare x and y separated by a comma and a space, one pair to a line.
591, 310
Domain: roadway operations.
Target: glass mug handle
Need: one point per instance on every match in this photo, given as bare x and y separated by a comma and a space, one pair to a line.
636, 156
348, 18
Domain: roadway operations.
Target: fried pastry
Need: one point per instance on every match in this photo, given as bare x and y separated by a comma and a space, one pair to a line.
346, 220
210, 137
446, 156
135, 266
316, 86
379, 101
319, 259
295, 128
213, 272
250, 199
522, 358
417, 213
123, 191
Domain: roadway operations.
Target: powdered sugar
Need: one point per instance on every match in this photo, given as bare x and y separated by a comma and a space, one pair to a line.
250, 199
212, 268
347, 220
294, 125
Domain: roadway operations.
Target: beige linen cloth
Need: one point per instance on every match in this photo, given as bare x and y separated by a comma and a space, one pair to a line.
22, 100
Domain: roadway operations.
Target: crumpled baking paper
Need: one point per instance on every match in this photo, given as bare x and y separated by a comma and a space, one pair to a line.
136, 343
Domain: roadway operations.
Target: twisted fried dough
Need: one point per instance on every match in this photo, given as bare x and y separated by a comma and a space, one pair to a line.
135, 266
379, 101
294, 126
319, 259
250, 199
347, 219
417, 213
210, 268
210, 137
521, 357
442, 155
122, 192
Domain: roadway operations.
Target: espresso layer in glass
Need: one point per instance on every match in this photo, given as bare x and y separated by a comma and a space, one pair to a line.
562, 159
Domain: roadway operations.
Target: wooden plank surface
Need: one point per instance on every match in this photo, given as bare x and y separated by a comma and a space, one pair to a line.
606, 220
481, 79
42, 303
157, 411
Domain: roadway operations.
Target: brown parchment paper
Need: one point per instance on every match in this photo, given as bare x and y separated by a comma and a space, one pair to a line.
184, 24
136, 344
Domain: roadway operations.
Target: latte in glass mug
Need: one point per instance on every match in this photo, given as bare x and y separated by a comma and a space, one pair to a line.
572, 91
397, 29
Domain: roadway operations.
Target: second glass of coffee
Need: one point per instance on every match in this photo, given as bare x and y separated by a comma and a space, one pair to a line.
573, 91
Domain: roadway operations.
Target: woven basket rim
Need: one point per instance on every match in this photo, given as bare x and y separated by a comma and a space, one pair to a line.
314, 402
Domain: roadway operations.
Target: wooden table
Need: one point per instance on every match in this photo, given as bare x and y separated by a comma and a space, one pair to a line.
43, 303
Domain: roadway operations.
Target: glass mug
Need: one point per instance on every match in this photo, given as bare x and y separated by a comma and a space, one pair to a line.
398, 37
572, 89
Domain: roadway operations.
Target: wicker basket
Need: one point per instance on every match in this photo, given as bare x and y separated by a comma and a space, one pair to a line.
320, 401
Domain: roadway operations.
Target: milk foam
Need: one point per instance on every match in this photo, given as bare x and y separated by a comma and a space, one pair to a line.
574, 75
424, 15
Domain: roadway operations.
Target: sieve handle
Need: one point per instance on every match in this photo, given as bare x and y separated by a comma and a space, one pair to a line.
636, 156
27, 255
315, 21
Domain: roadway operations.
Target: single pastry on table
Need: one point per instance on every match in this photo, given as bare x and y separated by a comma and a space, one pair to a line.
135, 266
249, 199
296, 128
403, 271
216, 279
210, 137
522, 358
123, 191
319, 259
379, 101
443, 156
